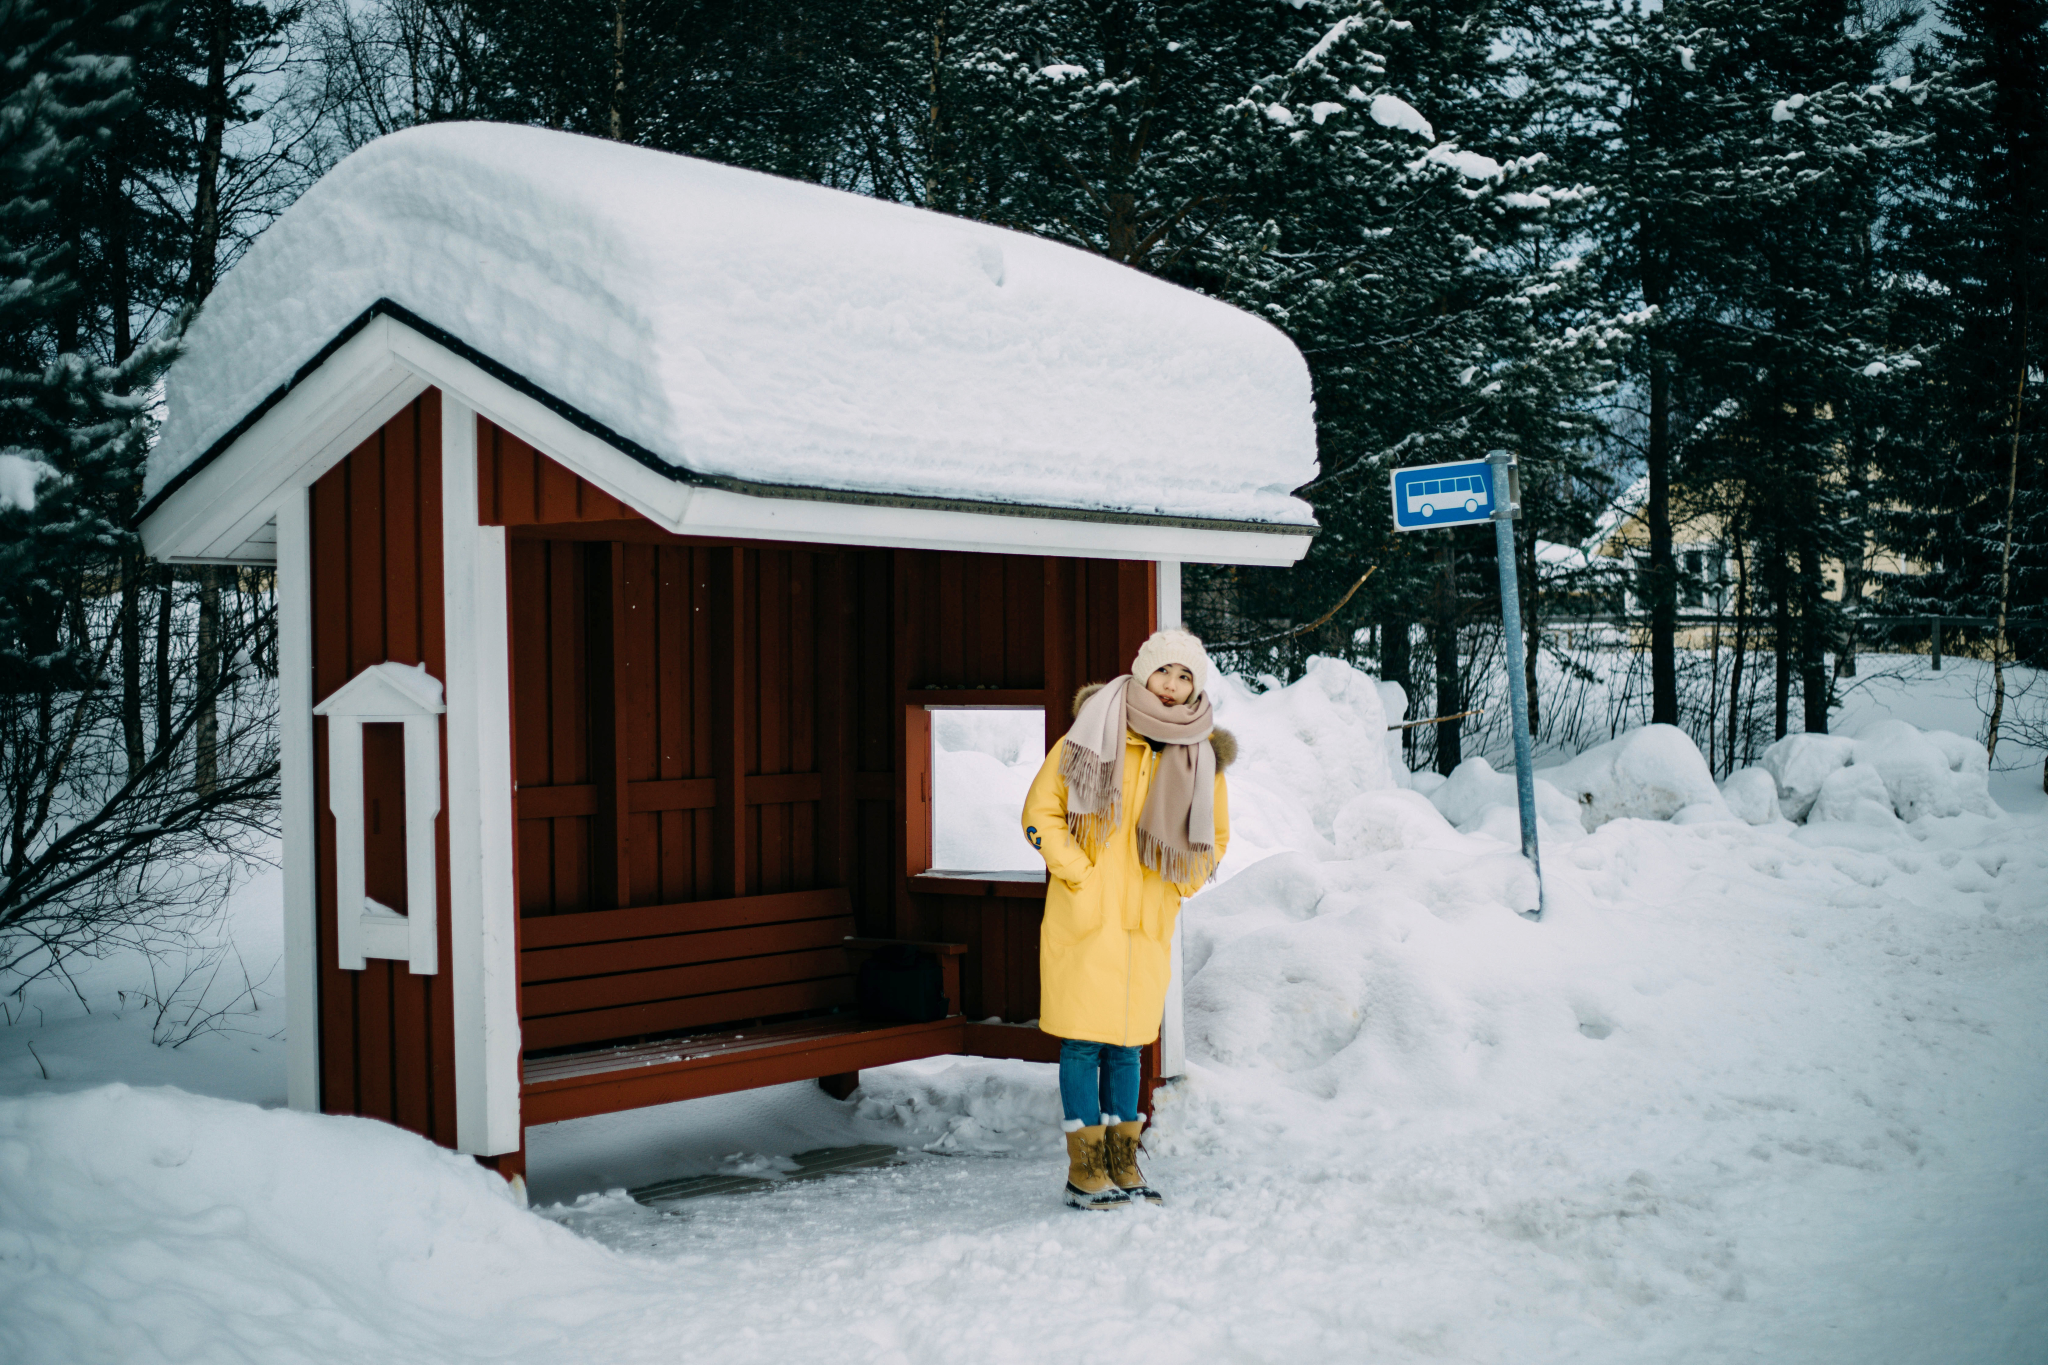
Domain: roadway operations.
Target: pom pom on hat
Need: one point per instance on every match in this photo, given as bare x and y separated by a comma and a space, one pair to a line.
1172, 647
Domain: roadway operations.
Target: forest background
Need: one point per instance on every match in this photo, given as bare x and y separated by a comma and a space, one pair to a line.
1766, 267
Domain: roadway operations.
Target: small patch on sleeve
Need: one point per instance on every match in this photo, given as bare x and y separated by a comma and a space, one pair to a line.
1031, 833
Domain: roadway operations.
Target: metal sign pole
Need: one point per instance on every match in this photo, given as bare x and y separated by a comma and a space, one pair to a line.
1506, 504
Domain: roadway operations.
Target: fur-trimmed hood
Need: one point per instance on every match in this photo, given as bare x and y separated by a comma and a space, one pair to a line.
1220, 739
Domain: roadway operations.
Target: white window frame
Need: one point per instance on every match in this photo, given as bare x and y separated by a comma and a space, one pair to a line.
364, 928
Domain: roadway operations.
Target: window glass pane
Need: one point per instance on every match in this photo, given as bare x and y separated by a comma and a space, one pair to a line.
982, 765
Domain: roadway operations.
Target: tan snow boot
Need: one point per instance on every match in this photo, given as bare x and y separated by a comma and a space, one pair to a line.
1088, 1182
1120, 1151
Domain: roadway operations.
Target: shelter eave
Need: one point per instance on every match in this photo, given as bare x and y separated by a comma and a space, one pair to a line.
216, 507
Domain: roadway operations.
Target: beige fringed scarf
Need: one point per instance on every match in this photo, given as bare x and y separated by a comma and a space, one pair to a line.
1177, 828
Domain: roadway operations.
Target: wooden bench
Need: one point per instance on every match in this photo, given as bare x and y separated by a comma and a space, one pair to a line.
661, 990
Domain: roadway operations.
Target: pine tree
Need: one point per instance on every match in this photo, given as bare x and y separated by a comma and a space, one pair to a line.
1966, 487
1739, 147
95, 819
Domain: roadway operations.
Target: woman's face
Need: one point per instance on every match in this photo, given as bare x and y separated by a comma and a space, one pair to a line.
1172, 684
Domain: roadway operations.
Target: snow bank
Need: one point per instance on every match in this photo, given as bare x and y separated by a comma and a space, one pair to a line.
1647, 774
1909, 773
738, 324
153, 1225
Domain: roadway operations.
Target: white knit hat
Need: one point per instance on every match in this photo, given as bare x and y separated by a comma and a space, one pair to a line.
1172, 647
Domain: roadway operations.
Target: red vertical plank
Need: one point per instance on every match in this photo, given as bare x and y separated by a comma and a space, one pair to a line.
604, 610
992, 948
734, 860
954, 571
536, 867
518, 468
399, 570
772, 709
705, 712
1021, 920
837, 689
672, 702
982, 625
367, 646
557, 500
1060, 682
529, 628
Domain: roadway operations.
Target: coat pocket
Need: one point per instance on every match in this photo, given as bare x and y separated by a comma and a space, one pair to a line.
1073, 912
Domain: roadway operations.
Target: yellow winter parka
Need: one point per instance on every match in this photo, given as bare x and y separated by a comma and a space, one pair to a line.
1104, 949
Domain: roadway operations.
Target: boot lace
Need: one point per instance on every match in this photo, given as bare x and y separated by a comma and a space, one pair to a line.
1121, 1156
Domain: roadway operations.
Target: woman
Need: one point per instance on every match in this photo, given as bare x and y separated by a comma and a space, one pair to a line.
1130, 815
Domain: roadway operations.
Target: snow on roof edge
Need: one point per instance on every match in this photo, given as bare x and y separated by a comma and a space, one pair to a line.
873, 349
669, 469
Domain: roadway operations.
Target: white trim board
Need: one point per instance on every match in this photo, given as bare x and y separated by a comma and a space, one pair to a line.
216, 516
483, 903
299, 802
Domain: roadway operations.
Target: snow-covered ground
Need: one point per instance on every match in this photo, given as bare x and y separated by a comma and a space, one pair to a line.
1760, 1092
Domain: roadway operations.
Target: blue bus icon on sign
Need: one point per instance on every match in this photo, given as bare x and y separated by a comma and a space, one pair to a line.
1432, 496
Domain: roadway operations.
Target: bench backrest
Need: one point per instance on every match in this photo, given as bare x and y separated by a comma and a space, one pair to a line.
608, 974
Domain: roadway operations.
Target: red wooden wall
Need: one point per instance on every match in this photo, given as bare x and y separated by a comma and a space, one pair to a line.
693, 721
770, 732
387, 1036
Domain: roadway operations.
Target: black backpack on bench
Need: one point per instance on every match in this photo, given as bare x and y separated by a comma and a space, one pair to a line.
902, 985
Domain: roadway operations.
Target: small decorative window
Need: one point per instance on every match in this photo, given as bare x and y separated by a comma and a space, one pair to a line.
409, 697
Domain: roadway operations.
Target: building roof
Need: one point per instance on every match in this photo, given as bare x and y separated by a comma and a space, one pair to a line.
763, 333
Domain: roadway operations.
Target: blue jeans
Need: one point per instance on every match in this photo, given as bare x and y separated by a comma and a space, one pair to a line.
1098, 1079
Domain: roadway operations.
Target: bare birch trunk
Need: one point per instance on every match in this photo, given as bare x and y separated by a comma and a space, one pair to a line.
2001, 647
618, 70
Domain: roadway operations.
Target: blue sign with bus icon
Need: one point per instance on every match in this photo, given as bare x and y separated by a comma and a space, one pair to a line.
1431, 496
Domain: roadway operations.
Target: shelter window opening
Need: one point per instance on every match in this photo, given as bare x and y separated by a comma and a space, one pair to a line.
983, 760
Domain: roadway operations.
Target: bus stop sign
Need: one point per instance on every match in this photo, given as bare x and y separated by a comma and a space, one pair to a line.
1430, 497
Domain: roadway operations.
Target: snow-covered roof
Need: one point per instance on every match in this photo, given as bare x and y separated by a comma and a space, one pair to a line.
745, 327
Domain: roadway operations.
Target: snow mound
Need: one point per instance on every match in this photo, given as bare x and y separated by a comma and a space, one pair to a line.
1752, 794
1382, 821
1800, 763
155, 1225
1854, 795
1304, 751
1910, 772
742, 325
1474, 790
1647, 774
1925, 772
